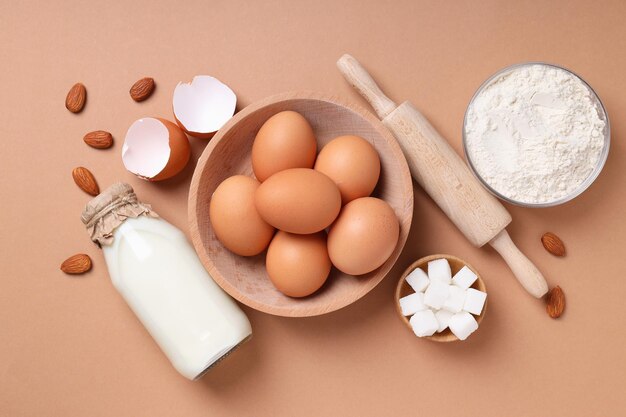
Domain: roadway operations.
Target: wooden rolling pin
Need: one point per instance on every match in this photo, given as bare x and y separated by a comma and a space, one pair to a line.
445, 177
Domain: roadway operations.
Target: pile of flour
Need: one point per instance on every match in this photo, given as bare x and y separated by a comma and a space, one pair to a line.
534, 133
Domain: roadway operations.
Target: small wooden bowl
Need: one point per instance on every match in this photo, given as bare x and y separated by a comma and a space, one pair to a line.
228, 153
403, 289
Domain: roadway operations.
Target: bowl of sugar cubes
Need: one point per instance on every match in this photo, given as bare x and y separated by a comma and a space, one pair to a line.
441, 298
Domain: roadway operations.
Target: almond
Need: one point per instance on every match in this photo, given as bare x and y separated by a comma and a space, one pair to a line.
75, 100
77, 264
85, 181
99, 139
553, 244
142, 89
555, 302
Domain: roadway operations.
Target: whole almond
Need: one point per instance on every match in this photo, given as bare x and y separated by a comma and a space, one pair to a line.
553, 244
77, 264
555, 302
142, 89
99, 139
85, 181
75, 100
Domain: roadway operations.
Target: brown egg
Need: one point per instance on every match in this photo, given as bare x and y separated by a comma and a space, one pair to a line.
364, 236
353, 163
298, 200
234, 218
298, 265
285, 140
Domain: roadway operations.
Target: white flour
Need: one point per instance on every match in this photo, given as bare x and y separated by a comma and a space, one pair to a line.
534, 134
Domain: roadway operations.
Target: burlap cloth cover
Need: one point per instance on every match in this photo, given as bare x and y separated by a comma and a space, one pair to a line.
103, 214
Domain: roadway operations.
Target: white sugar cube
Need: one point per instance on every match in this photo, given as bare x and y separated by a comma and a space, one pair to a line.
474, 301
456, 300
412, 303
418, 280
436, 294
439, 269
462, 325
464, 278
443, 317
424, 323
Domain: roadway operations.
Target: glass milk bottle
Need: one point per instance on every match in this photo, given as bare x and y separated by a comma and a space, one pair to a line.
158, 273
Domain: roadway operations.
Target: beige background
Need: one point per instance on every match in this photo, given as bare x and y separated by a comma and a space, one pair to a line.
71, 347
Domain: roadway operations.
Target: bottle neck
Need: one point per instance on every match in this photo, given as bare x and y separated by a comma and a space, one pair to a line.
110, 209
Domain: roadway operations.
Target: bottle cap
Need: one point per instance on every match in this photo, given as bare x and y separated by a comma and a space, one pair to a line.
107, 211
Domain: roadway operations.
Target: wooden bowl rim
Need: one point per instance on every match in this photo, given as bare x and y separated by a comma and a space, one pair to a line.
192, 208
446, 335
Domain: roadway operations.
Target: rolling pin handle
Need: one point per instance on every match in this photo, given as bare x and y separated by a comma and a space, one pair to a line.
360, 79
524, 270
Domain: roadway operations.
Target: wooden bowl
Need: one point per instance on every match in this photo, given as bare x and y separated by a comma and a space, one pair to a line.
403, 289
228, 153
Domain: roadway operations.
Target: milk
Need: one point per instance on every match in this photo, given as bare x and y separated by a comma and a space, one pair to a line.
156, 270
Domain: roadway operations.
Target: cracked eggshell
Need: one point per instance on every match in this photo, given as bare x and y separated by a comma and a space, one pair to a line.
203, 106
155, 149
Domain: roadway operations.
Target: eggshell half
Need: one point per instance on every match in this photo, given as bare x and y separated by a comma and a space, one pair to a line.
155, 149
203, 106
